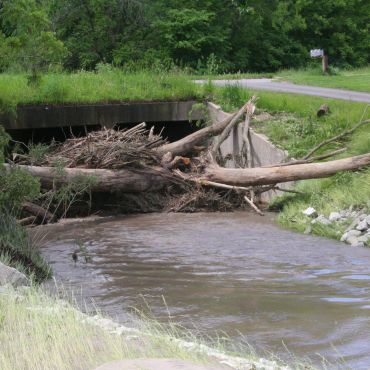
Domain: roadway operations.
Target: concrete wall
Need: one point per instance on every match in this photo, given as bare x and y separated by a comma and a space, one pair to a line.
263, 152
45, 116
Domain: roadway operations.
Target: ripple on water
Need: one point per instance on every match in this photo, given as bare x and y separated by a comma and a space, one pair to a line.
356, 277
345, 300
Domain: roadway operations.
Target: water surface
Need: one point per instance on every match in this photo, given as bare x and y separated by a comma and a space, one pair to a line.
237, 273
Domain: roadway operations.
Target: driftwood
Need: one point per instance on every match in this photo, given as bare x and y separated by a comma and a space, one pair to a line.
309, 160
135, 161
107, 181
335, 138
41, 214
155, 179
249, 109
27, 221
324, 109
188, 143
276, 175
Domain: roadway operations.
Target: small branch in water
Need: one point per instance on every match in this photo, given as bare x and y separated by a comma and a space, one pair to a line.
251, 203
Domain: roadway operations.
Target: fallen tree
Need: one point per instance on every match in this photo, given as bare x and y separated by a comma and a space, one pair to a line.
154, 179
135, 161
280, 174
105, 181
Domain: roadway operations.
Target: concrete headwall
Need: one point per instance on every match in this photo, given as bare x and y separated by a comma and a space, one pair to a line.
263, 152
45, 116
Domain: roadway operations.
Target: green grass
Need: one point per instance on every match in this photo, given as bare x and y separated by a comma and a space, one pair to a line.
38, 331
111, 85
357, 79
233, 76
298, 132
18, 250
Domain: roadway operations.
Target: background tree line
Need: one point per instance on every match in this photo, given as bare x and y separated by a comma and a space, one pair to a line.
206, 36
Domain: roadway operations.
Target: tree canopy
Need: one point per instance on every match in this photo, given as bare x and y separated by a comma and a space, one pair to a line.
207, 35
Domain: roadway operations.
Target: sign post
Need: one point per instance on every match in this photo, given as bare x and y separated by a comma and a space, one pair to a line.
319, 53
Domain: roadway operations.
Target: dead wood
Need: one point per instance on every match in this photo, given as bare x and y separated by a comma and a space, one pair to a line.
324, 110
127, 180
40, 213
104, 149
248, 109
251, 203
309, 160
335, 138
137, 162
27, 221
275, 175
198, 138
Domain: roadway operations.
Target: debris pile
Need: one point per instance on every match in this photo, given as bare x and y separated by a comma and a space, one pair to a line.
105, 149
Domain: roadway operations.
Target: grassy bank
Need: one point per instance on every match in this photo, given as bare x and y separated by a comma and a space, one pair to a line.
294, 126
357, 79
106, 85
18, 250
37, 331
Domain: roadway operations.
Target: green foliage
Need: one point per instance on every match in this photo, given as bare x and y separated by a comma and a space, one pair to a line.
72, 192
18, 250
27, 38
15, 187
4, 140
211, 36
37, 153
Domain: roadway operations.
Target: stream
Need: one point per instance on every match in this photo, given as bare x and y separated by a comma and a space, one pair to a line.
234, 273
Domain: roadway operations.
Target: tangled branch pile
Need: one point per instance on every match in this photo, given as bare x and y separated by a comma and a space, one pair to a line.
187, 173
106, 149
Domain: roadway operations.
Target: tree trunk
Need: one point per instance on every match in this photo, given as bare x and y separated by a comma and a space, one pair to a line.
128, 181
38, 212
154, 179
276, 175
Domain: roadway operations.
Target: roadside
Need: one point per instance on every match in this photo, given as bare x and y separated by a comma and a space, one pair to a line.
273, 85
355, 80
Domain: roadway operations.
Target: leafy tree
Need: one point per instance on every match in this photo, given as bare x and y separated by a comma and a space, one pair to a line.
208, 35
94, 29
27, 38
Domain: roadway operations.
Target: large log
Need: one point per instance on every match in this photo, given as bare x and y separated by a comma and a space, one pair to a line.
107, 181
154, 179
276, 175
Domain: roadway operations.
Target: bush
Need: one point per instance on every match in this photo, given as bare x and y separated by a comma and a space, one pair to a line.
15, 185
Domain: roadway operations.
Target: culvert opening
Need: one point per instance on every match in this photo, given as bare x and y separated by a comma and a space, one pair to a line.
172, 131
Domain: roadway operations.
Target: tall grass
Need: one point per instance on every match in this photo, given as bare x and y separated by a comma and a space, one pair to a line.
19, 251
38, 331
107, 85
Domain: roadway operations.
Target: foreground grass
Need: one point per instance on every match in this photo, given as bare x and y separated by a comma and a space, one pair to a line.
110, 85
357, 79
41, 332
295, 127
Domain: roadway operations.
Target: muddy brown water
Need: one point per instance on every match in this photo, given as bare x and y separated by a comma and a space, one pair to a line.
285, 293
